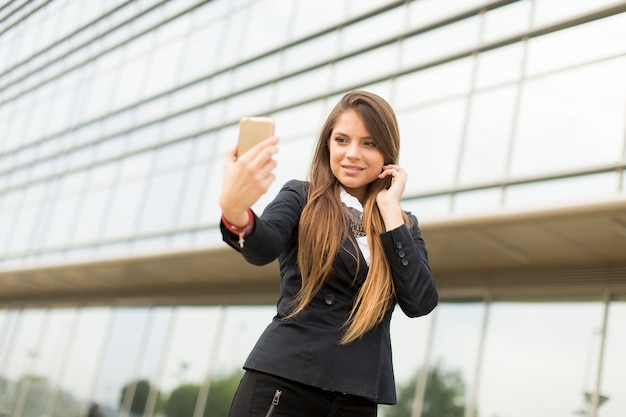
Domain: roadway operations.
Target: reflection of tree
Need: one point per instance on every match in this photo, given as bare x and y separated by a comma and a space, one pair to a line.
182, 400
444, 396
140, 390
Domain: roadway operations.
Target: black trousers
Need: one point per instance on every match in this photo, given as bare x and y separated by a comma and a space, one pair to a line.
264, 395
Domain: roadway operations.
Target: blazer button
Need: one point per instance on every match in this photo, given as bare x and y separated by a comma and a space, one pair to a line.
405, 261
399, 245
329, 299
401, 254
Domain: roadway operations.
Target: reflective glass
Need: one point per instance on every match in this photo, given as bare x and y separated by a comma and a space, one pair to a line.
83, 364
299, 121
90, 215
23, 229
380, 27
266, 27
488, 136
313, 16
301, 86
181, 125
230, 38
62, 220
506, 21
441, 42
255, 102
124, 209
200, 51
579, 44
136, 166
498, 66
303, 55
187, 97
572, 190
545, 346
173, 155
191, 195
164, 67
556, 128
366, 67
431, 138
431, 84
256, 72
162, 199
612, 385
547, 11
424, 12
129, 82
477, 201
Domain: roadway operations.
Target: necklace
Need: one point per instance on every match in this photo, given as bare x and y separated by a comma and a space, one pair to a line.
356, 224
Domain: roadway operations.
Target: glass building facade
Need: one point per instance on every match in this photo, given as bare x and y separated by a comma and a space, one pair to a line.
114, 119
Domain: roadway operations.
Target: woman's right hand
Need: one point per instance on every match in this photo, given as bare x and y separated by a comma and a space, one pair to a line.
246, 179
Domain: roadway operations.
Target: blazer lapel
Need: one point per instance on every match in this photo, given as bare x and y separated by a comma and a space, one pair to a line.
349, 258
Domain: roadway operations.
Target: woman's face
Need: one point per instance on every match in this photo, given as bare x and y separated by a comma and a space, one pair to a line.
354, 157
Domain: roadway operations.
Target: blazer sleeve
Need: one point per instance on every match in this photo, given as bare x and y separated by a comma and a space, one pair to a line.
415, 289
274, 229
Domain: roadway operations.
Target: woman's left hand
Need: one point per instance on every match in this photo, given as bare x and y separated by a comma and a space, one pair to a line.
388, 200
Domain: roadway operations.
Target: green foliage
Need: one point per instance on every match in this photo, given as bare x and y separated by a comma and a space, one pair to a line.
138, 404
444, 396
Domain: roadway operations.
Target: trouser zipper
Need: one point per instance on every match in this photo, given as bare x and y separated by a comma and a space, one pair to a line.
275, 401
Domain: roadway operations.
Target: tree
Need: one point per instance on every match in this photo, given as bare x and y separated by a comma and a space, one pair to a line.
444, 396
182, 400
140, 397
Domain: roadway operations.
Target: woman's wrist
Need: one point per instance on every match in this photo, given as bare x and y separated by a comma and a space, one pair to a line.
241, 231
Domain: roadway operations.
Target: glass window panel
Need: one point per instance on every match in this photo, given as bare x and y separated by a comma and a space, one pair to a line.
100, 93
162, 199
430, 145
62, 220
194, 188
312, 16
90, 215
591, 41
572, 120
308, 84
374, 29
547, 11
121, 354
457, 325
211, 211
136, 165
144, 137
299, 121
318, 49
453, 78
188, 362
441, 42
181, 125
230, 39
110, 148
522, 340
505, 21
188, 97
173, 155
153, 110
253, 103
129, 82
124, 209
366, 67
255, 72
498, 66
478, 201
614, 364
201, 51
23, 229
21, 361
103, 175
424, 12
164, 68
488, 136
579, 190
85, 351
266, 26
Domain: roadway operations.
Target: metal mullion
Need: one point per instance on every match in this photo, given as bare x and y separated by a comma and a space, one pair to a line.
595, 399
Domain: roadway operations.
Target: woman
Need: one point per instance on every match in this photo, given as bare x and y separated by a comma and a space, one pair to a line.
347, 255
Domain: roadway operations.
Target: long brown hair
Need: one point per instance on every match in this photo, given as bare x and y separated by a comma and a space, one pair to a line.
320, 241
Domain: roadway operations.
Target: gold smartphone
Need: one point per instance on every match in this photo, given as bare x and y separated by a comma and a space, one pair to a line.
253, 130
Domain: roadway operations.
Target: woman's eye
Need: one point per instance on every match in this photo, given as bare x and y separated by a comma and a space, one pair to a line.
340, 140
370, 144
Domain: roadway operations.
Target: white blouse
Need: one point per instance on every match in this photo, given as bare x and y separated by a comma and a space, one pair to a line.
351, 202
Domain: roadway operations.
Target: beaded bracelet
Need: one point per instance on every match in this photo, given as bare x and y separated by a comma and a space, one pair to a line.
242, 232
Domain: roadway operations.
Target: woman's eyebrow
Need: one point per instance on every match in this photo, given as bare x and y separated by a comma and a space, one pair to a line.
338, 133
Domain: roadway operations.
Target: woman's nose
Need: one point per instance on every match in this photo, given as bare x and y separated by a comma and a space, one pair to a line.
353, 151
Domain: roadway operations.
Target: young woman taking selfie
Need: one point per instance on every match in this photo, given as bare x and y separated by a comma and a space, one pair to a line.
347, 254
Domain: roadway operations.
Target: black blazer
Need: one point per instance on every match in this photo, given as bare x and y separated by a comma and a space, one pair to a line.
306, 348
